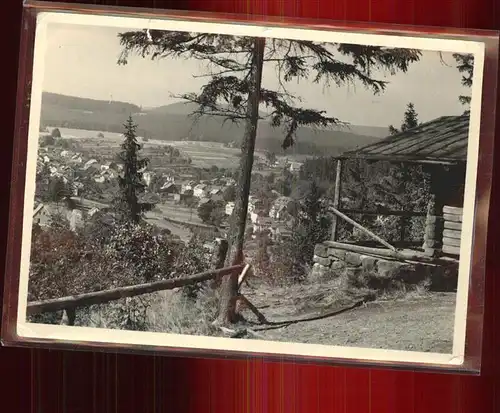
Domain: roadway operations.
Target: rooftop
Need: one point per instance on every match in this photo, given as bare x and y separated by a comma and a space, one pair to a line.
443, 140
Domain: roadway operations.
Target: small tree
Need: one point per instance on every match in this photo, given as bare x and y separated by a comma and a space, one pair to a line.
393, 131
211, 213
312, 226
131, 183
410, 120
230, 194
56, 133
271, 157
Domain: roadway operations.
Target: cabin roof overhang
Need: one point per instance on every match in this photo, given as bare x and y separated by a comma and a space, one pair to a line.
442, 141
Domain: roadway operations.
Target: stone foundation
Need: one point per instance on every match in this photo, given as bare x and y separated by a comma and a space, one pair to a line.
353, 269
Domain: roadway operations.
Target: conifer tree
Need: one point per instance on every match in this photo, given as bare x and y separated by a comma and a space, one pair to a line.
131, 183
465, 65
410, 120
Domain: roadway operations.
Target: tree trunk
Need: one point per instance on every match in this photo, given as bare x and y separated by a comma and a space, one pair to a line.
236, 236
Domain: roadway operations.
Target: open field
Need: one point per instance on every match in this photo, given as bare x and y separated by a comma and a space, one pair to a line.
202, 154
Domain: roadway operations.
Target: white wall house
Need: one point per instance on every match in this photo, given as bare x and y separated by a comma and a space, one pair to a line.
200, 191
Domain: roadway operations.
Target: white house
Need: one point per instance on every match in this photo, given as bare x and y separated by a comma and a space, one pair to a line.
89, 163
147, 176
186, 187
295, 166
229, 208
200, 191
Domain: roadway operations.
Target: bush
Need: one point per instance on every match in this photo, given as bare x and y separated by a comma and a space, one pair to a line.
106, 254
212, 213
47, 140
56, 133
151, 255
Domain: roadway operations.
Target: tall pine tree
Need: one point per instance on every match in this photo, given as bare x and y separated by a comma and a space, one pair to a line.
131, 182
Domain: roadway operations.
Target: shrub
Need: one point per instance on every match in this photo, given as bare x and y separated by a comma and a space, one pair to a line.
56, 133
47, 140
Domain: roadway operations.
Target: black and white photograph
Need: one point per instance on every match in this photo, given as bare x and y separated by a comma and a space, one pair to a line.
267, 190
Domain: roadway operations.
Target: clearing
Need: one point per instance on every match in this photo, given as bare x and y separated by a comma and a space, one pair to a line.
421, 322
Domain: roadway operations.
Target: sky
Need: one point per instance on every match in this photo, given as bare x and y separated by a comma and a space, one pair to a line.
82, 61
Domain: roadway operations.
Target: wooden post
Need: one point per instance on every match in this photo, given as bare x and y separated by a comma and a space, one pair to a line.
68, 317
433, 236
219, 258
336, 198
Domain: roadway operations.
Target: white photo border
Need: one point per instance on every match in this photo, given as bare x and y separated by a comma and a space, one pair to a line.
167, 341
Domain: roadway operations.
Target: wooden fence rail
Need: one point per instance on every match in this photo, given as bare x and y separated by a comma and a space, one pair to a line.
362, 228
101, 297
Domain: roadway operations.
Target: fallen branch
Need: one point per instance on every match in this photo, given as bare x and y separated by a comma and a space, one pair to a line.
262, 319
280, 324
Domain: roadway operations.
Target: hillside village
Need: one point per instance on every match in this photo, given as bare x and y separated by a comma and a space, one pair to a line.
91, 178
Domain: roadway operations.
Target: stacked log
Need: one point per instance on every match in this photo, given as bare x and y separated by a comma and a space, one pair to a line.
452, 232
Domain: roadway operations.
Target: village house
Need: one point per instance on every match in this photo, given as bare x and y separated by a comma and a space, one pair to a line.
200, 191
204, 201
282, 207
230, 207
147, 177
185, 197
262, 224
89, 163
109, 165
294, 166
169, 188
279, 232
76, 158
216, 194
186, 187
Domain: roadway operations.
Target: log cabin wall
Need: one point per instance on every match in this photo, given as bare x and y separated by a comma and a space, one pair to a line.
445, 210
452, 230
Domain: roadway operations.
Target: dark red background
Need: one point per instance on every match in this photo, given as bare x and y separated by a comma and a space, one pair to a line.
73, 382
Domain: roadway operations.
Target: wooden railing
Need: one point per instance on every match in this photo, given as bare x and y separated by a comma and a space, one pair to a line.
69, 304
102, 297
403, 215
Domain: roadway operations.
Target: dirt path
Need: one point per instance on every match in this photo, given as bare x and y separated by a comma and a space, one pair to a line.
418, 323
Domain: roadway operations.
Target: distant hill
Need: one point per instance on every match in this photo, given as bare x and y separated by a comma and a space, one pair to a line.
171, 122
